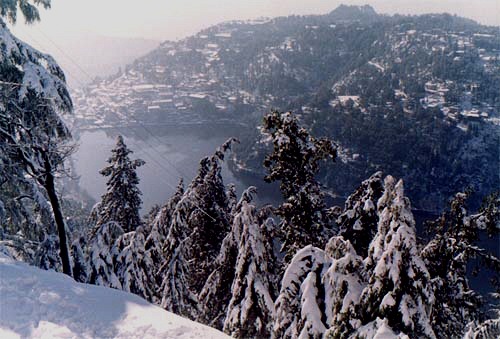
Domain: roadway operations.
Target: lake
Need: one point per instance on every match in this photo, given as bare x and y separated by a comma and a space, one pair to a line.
170, 152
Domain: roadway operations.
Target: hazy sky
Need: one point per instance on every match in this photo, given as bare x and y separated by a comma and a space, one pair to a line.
172, 19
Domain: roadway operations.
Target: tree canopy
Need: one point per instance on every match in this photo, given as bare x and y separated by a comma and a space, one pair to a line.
28, 8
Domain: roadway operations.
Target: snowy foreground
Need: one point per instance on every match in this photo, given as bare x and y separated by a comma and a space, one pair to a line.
45, 304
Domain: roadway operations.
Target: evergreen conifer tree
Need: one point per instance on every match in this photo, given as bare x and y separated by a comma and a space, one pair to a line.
102, 255
358, 222
294, 162
399, 287
34, 140
176, 293
251, 307
29, 9
160, 227
299, 308
80, 265
489, 328
210, 216
122, 201
344, 281
216, 293
134, 266
46, 256
448, 254
200, 221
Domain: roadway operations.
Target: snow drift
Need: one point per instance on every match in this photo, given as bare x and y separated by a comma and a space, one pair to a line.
45, 304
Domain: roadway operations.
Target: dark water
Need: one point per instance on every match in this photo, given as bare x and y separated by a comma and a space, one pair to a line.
170, 153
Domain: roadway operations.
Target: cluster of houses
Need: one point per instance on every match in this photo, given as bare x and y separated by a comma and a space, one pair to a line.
188, 81
161, 93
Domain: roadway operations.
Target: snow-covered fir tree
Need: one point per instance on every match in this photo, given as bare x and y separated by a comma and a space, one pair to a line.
448, 255
399, 286
344, 281
299, 308
160, 227
155, 240
80, 264
378, 328
216, 293
336, 293
122, 200
134, 266
102, 253
358, 222
209, 217
489, 328
232, 198
34, 140
200, 221
29, 9
251, 307
175, 291
294, 162
149, 218
47, 256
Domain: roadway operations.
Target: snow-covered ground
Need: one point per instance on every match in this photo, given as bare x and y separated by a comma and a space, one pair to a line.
45, 304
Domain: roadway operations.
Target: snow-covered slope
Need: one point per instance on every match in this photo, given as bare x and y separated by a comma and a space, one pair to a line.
45, 304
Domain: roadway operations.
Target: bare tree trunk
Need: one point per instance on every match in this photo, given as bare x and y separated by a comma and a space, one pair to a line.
49, 185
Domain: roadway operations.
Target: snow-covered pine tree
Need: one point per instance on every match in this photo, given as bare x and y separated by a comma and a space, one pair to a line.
80, 265
134, 266
294, 162
160, 227
29, 219
399, 287
344, 282
210, 216
102, 255
448, 254
29, 9
155, 240
216, 293
46, 256
34, 141
299, 308
359, 219
232, 198
489, 328
200, 221
122, 200
251, 308
175, 291
149, 218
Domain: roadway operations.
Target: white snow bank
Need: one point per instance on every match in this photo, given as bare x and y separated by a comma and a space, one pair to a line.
45, 304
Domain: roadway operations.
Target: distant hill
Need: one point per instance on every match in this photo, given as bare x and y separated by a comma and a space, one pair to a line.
364, 13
